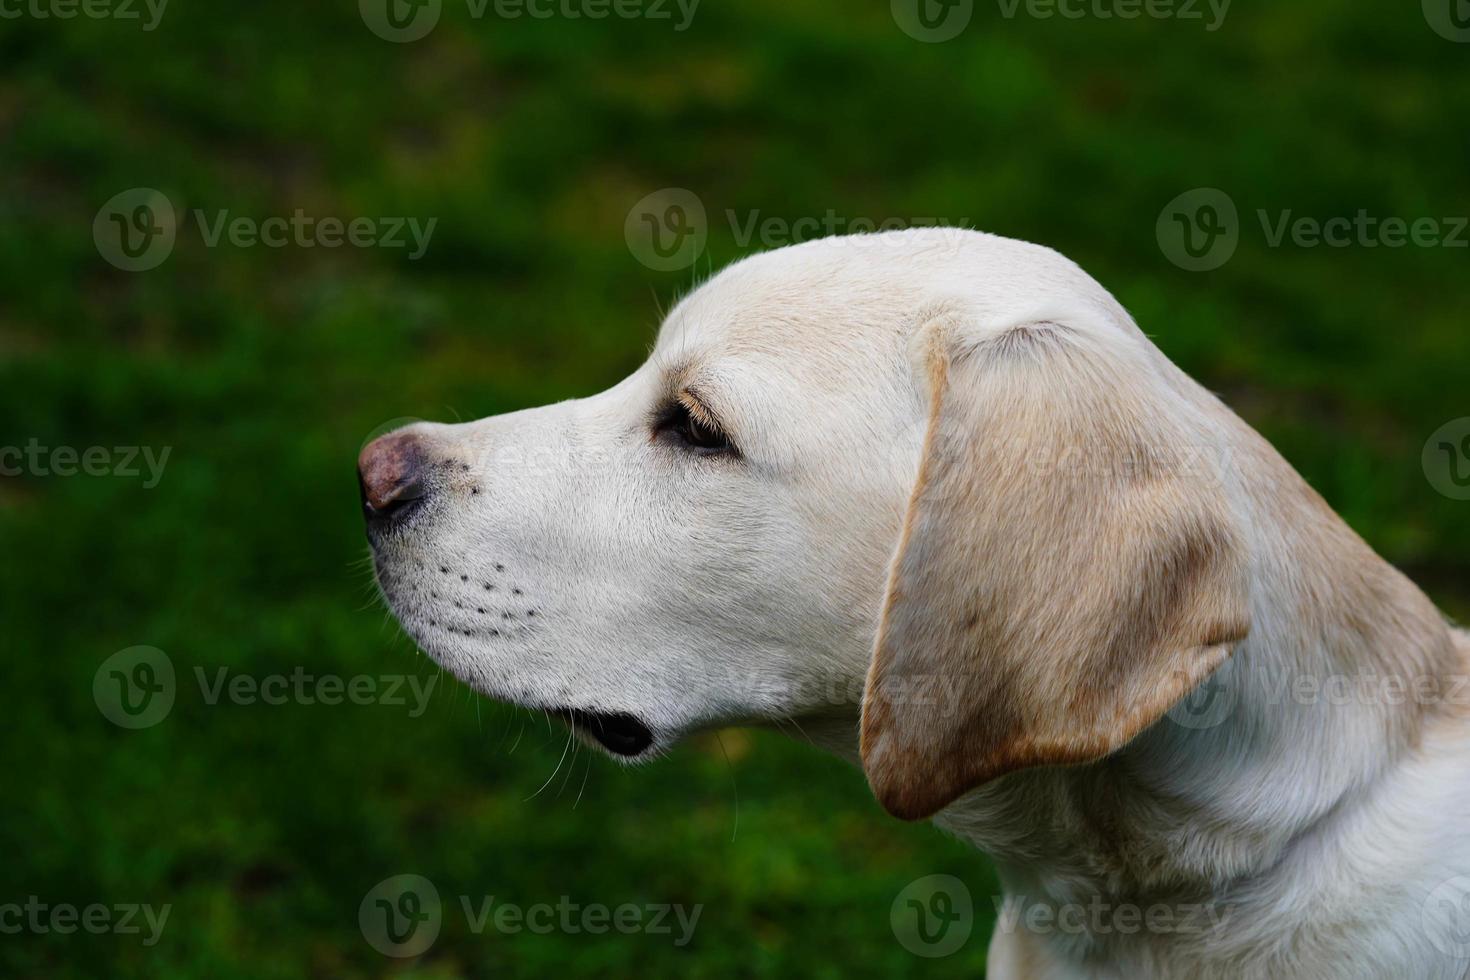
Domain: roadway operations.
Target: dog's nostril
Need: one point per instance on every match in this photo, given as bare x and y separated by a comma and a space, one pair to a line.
390, 477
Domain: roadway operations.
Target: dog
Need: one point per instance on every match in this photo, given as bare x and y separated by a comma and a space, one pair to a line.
934, 496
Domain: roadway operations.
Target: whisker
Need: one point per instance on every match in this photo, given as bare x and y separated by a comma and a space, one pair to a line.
585, 773
734, 786
554, 771
576, 747
804, 735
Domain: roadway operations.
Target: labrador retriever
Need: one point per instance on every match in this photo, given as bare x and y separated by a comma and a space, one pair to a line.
933, 495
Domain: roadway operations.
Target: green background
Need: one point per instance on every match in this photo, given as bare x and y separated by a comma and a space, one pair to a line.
529, 140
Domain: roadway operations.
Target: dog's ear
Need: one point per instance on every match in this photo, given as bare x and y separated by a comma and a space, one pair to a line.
1068, 567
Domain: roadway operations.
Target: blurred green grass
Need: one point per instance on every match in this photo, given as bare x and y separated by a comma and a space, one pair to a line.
529, 140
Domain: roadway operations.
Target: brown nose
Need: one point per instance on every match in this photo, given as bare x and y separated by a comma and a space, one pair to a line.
390, 472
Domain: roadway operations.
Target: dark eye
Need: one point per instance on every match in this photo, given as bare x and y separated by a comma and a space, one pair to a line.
677, 425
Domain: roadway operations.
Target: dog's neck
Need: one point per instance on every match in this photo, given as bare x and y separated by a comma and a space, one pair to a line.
1348, 668
1293, 753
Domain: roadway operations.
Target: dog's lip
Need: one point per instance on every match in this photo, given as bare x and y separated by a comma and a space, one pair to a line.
380, 523
617, 731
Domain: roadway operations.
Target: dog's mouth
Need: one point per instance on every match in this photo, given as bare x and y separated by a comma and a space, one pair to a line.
619, 733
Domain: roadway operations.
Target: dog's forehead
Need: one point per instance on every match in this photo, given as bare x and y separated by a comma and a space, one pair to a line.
829, 303
820, 316
760, 304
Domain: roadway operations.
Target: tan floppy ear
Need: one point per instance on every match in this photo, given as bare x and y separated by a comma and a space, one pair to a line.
1068, 569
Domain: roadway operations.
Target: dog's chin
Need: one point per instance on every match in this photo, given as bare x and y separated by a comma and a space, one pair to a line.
625, 735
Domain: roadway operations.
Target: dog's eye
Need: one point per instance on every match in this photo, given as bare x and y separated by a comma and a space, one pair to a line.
679, 426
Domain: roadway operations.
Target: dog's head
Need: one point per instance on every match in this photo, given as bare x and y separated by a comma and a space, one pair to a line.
934, 483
